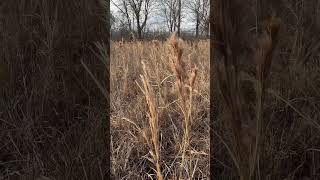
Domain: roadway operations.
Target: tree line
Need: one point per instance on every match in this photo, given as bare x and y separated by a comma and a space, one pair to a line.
132, 17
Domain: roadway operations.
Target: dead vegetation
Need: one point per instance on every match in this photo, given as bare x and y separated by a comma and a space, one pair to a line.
261, 122
162, 125
52, 114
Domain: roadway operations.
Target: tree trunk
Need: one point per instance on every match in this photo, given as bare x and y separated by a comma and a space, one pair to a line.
139, 33
139, 27
197, 30
179, 17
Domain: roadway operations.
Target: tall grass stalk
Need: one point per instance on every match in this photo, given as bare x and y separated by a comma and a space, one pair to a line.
153, 121
263, 59
185, 83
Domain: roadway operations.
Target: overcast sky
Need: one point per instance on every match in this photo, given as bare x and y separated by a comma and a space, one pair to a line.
155, 21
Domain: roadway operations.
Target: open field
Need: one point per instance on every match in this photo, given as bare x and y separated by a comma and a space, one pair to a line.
129, 121
290, 115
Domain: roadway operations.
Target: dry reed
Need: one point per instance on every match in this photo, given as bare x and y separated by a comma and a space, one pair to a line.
154, 145
185, 83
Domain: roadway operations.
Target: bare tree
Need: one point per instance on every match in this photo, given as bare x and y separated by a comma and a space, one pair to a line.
112, 20
141, 10
135, 13
168, 13
123, 8
200, 14
172, 10
179, 16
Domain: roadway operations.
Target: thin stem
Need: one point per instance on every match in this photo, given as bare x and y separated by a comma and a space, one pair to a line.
186, 138
259, 110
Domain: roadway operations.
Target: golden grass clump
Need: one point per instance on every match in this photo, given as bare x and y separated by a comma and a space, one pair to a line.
185, 84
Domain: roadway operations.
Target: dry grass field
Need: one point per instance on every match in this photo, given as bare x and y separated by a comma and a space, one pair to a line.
130, 128
54, 103
150, 136
52, 114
